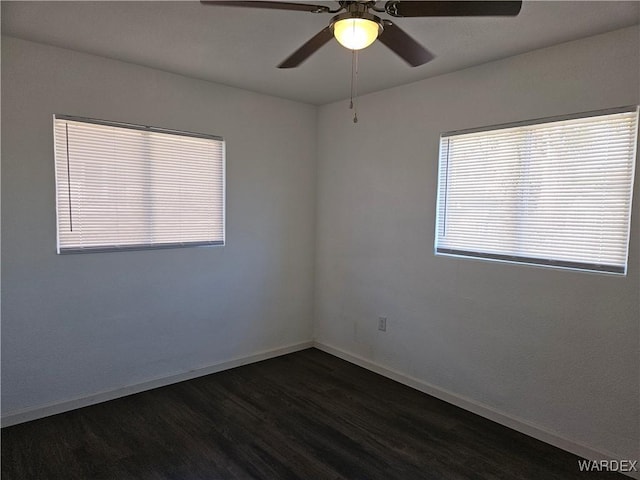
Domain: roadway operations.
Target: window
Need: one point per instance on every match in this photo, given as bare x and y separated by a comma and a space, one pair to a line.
553, 192
121, 186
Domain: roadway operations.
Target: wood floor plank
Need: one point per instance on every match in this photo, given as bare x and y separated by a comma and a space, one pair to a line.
307, 415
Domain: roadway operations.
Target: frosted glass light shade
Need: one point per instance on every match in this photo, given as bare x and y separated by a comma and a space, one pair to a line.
355, 33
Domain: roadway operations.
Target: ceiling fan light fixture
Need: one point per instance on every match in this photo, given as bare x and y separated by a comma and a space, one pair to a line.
356, 33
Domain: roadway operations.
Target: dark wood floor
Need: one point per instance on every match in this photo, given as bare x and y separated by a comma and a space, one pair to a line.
307, 415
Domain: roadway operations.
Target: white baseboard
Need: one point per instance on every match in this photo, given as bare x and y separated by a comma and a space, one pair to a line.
478, 408
33, 413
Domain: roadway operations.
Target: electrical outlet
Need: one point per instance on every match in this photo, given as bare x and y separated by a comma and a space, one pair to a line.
382, 324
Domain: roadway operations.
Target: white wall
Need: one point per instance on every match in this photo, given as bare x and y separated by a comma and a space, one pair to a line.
555, 349
76, 325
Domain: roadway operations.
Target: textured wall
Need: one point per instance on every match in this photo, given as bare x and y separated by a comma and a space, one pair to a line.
75, 325
554, 348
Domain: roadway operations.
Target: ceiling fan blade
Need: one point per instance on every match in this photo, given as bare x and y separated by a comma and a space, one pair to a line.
308, 49
412, 8
302, 7
403, 45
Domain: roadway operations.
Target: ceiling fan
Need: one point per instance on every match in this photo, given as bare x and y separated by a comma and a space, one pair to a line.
357, 28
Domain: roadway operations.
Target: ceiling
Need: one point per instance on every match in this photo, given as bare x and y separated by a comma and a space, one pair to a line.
241, 46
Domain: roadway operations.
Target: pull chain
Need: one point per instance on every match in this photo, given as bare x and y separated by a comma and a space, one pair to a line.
354, 85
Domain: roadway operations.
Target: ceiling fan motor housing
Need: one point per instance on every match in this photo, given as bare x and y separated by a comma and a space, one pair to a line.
363, 15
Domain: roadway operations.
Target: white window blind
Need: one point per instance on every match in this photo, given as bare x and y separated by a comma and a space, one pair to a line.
555, 192
123, 186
